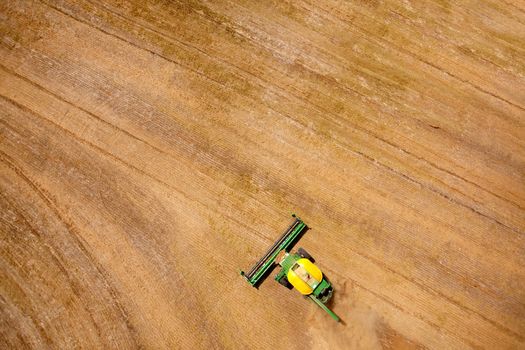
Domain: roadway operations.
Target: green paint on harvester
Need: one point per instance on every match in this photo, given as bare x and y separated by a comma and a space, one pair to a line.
298, 270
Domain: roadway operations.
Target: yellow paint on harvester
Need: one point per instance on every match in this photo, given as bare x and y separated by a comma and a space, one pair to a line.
304, 276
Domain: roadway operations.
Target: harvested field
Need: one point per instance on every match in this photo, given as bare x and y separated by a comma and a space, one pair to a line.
150, 150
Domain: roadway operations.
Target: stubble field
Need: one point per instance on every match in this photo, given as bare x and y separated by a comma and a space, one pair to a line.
149, 150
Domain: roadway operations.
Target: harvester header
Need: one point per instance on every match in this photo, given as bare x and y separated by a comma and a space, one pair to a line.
257, 272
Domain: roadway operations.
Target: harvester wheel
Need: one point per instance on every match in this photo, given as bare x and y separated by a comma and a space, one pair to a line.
304, 254
284, 281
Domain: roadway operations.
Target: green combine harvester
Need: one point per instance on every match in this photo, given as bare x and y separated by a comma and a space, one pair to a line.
297, 269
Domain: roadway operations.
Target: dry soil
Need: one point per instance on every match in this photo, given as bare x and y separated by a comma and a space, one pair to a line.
149, 150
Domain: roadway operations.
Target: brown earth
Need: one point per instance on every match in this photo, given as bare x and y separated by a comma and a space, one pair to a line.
149, 150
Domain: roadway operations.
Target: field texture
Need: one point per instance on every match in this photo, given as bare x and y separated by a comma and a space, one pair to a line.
150, 150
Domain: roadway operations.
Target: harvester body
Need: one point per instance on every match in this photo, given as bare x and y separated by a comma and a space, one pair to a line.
298, 270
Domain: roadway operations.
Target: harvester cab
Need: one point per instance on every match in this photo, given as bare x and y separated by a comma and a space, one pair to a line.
298, 270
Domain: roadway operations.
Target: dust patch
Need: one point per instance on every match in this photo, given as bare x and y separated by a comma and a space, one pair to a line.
390, 339
358, 329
